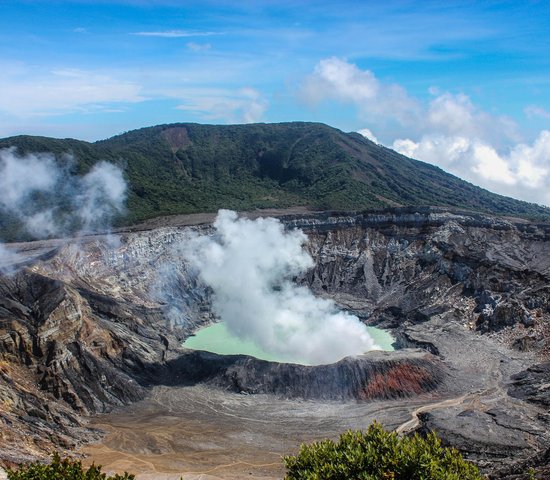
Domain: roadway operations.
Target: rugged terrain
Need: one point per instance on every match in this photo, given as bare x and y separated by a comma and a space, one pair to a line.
92, 324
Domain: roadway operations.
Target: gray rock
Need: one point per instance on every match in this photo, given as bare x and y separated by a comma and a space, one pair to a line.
533, 384
376, 375
91, 325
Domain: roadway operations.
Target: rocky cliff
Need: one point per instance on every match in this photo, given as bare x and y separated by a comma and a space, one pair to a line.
418, 264
373, 376
92, 323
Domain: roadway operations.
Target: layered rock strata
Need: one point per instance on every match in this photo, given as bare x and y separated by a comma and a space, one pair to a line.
91, 324
376, 375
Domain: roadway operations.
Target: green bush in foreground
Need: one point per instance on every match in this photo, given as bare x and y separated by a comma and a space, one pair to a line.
379, 455
62, 470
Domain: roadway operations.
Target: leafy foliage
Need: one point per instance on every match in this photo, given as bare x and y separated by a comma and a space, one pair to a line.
189, 168
379, 455
62, 470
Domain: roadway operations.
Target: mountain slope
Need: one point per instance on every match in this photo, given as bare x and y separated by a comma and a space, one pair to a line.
185, 168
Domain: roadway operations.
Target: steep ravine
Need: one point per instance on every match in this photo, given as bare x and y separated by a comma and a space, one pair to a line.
91, 324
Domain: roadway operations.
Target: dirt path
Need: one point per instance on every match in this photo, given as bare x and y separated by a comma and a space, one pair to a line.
490, 394
414, 422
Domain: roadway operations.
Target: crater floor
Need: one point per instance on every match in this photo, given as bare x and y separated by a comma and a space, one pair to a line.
200, 432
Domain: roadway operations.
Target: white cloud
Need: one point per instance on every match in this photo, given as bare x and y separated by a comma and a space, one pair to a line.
30, 93
490, 165
336, 79
198, 47
534, 111
533, 162
452, 113
522, 172
27, 92
437, 149
448, 130
368, 135
176, 34
455, 114
475, 159
245, 105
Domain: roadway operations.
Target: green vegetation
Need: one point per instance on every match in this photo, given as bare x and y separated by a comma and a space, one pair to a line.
189, 168
379, 455
62, 470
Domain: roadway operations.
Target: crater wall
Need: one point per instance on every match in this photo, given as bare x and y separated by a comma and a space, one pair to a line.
92, 323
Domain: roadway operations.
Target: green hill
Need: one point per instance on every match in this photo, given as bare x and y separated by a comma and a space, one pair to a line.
186, 168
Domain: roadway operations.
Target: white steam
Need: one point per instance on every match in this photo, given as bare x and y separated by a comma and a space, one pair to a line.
102, 194
250, 265
21, 176
47, 200
8, 260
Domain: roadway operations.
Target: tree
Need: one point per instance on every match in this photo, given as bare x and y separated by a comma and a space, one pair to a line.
379, 455
62, 470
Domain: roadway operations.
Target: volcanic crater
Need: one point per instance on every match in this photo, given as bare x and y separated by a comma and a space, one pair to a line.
92, 329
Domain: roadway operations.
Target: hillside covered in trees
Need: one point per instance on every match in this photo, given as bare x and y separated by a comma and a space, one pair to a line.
187, 168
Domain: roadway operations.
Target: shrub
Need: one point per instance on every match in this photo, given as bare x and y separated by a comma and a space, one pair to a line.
62, 470
379, 455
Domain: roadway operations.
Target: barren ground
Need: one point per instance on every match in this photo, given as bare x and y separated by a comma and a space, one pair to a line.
199, 432
203, 433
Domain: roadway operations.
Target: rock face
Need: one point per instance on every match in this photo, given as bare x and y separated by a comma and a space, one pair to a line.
533, 385
90, 324
65, 353
418, 265
376, 375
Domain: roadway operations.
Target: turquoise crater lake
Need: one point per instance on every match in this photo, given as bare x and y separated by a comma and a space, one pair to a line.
216, 338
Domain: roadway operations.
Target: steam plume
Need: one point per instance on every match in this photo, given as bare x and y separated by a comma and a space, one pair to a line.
48, 200
8, 260
249, 265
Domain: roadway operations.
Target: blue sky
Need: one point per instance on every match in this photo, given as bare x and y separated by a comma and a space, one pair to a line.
465, 85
